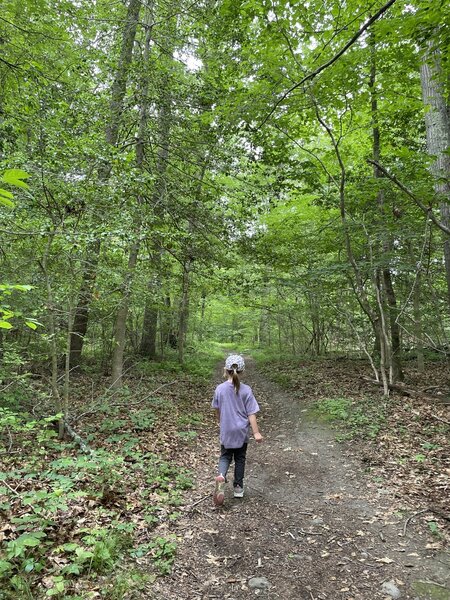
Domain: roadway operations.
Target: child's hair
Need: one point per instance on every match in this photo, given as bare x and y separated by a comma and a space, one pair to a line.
234, 373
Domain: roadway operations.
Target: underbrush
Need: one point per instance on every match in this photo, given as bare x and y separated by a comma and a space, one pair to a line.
289, 372
362, 418
198, 362
74, 522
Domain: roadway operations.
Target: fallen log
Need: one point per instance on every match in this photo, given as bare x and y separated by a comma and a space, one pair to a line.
402, 389
79, 440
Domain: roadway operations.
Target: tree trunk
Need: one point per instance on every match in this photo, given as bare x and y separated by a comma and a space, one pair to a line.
394, 353
418, 324
122, 314
184, 309
148, 341
52, 335
121, 319
437, 126
118, 91
85, 296
385, 362
202, 318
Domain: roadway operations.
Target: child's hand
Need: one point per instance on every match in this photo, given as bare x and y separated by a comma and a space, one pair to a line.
258, 437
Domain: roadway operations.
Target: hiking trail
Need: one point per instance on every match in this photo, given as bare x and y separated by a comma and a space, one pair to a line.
312, 525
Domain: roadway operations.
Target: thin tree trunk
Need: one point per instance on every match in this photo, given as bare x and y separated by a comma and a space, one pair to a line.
384, 340
122, 314
184, 309
118, 91
85, 296
418, 323
164, 122
395, 351
187, 268
121, 319
66, 390
202, 317
150, 327
52, 334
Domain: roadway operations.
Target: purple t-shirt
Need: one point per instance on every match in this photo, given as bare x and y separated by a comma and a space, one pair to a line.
234, 412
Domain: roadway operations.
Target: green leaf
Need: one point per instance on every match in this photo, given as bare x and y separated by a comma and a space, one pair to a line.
31, 325
5, 325
73, 569
83, 554
30, 539
5, 566
7, 194
15, 177
70, 546
5, 198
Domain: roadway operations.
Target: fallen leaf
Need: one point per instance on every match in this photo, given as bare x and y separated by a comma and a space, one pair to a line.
385, 560
213, 560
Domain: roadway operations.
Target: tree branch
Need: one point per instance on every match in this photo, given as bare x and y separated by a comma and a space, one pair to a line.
332, 60
426, 209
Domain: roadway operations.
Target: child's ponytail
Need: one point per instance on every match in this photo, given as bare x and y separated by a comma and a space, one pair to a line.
236, 381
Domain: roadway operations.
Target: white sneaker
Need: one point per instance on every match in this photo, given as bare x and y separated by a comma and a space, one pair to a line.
238, 491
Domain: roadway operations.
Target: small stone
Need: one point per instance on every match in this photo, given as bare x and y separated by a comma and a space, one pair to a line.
258, 583
391, 589
317, 521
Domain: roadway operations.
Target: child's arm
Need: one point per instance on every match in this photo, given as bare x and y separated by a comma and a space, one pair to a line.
254, 425
218, 415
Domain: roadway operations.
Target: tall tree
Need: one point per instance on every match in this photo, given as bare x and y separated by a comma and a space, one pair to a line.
437, 124
118, 92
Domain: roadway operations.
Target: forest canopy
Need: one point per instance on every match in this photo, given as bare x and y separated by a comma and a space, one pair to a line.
272, 173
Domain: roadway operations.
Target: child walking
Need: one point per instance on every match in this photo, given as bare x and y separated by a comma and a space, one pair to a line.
236, 409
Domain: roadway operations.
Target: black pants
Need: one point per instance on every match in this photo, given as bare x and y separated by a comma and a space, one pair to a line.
239, 455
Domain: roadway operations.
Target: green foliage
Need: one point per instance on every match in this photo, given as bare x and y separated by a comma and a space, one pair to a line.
255, 232
335, 409
190, 419
127, 584
143, 420
51, 491
7, 314
434, 529
15, 178
360, 418
162, 550
199, 362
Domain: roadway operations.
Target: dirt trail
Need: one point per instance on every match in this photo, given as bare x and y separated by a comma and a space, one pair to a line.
311, 523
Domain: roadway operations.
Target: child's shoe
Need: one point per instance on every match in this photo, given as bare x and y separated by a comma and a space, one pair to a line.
238, 491
219, 492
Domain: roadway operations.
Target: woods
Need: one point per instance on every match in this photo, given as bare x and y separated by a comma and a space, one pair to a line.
178, 178
284, 154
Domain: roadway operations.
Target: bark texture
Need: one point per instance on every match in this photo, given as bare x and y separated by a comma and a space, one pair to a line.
437, 126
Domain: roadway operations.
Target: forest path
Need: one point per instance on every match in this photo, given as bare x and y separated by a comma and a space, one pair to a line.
311, 526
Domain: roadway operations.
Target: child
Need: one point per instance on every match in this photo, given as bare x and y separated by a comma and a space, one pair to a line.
236, 409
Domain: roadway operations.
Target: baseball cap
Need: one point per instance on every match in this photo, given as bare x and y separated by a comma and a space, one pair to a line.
235, 359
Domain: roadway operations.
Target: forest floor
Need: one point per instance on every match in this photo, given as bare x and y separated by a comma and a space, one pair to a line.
321, 519
347, 498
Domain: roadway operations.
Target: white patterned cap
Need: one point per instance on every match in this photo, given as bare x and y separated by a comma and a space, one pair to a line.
235, 359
